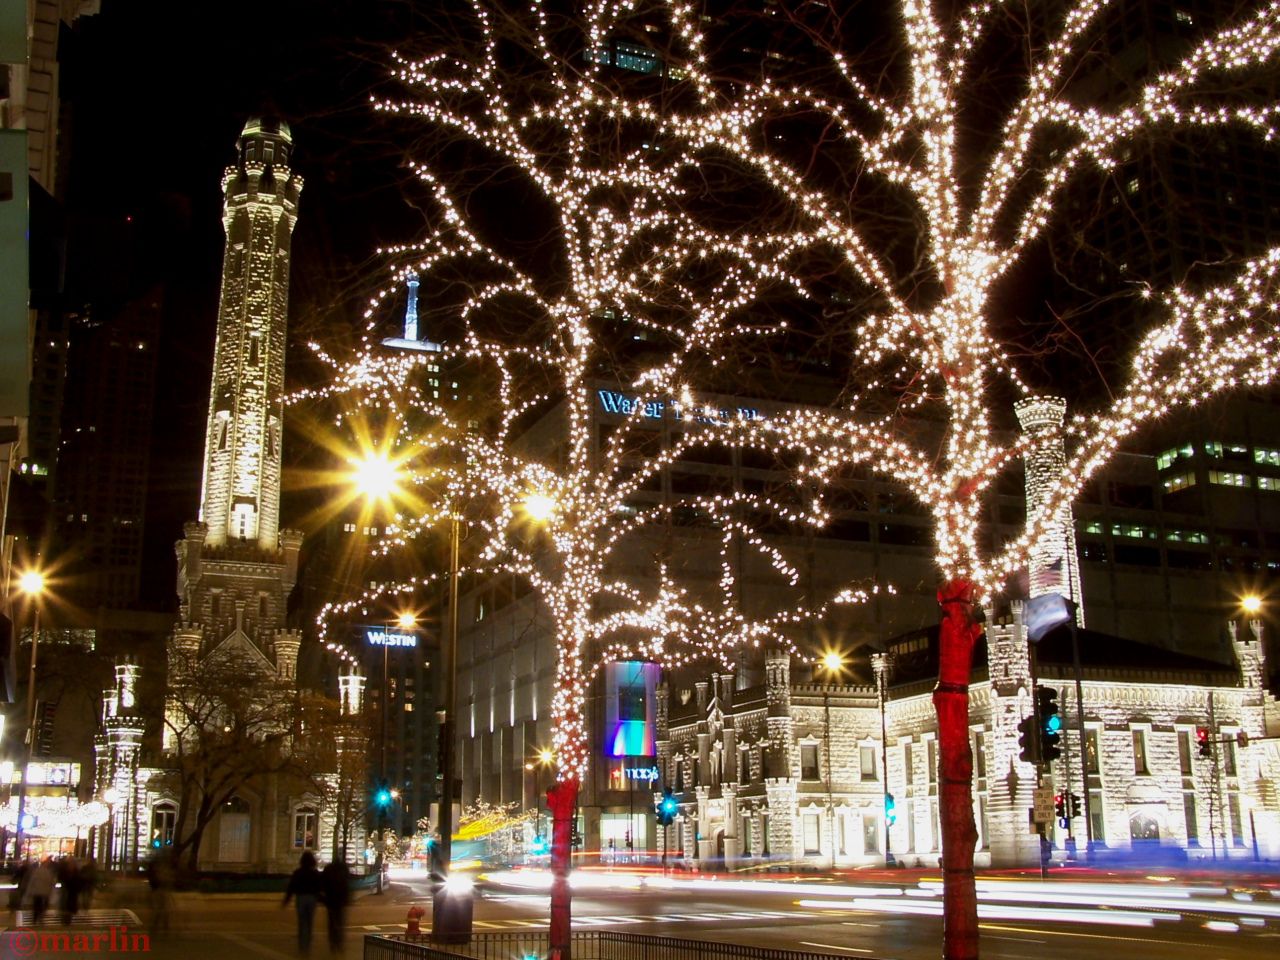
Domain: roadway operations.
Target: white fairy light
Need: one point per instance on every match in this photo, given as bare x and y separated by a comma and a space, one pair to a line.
629, 238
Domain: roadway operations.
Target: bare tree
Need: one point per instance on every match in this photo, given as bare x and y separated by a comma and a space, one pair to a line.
230, 725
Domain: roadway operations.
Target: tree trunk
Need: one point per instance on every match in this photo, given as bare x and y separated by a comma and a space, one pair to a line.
562, 799
958, 633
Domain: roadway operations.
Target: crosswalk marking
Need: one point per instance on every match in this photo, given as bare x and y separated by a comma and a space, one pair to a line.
602, 920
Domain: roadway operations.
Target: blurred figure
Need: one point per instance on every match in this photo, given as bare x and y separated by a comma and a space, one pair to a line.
69, 882
305, 889
21, 876
40, 888
160, 876
88, 882
336, 887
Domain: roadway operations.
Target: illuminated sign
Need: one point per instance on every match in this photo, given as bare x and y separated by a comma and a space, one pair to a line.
385, 638
647, 774
613, 402
630, 709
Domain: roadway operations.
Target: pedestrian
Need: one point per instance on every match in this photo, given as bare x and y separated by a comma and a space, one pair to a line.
337, 891
160, 875
88, 882
40, 888
69, 888
305, 890
21, 876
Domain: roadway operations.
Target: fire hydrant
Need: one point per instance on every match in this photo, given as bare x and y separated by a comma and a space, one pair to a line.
414, 928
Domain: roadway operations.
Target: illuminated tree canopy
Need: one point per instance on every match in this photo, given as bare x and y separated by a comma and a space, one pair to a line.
693, 196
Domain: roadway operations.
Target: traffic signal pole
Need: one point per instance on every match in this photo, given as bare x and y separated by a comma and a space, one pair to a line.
1084, 748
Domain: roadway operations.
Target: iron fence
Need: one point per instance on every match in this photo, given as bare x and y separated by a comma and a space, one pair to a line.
586, 945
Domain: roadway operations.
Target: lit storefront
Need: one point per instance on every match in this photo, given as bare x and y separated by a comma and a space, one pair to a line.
55, 822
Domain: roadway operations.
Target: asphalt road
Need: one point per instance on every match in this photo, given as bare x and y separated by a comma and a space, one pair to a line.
1021, 919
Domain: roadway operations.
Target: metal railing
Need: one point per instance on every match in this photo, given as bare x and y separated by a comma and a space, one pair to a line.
585, 945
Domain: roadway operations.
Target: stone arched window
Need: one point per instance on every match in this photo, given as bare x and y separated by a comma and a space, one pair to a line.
306, 824
164, 820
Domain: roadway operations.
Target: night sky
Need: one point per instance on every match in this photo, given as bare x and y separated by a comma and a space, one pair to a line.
156, 94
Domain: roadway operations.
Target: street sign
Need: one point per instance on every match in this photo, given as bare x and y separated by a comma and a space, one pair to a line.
1042, 800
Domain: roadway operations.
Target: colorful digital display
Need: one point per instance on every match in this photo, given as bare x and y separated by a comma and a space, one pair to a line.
631, 709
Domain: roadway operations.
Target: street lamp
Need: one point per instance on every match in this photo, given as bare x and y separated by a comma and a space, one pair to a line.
543, 760
882, 666
832, 664
111, 796
31, 583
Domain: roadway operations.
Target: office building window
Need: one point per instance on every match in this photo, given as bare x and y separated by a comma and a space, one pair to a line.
1184, 752
1228, 478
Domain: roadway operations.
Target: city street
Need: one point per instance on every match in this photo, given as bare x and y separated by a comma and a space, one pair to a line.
1022, 919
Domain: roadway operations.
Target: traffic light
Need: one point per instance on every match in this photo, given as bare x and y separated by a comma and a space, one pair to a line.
1050, 723
1059, 805
890, 810
382, 798
668, 807
1073, 803
539, 846
1204, 747
1028, 741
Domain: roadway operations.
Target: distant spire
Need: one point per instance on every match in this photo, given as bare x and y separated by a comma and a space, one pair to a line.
411, 309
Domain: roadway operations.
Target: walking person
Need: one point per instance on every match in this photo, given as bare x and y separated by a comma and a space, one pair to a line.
69, 888
337, 891
160, 877
305, 890
40, 888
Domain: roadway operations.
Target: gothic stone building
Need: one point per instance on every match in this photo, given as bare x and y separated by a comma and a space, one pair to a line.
236, 567
793, 770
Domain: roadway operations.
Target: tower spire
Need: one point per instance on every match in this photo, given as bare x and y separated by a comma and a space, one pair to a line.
240, 493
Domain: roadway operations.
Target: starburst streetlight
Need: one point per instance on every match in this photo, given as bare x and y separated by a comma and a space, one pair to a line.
1251, 604
832, 664
32, 583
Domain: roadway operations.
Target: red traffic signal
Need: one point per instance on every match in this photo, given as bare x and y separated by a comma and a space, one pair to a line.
1202, 741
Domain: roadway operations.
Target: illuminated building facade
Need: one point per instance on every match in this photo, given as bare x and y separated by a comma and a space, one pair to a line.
790, 769
507, 663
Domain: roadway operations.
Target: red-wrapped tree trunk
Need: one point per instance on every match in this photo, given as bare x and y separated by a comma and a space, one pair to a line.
958, 633
562, 799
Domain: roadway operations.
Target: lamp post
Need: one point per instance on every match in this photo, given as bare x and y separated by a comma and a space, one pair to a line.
406, 621
111, 796
32, 584
832, 665
882, 666
544, 759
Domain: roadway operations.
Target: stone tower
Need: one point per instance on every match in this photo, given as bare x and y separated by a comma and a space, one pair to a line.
236, 567
240, 494
1053, 567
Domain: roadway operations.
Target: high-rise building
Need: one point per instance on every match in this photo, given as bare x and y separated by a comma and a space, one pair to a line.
101, 469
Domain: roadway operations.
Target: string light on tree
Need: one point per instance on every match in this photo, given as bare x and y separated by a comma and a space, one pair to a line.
629, 233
